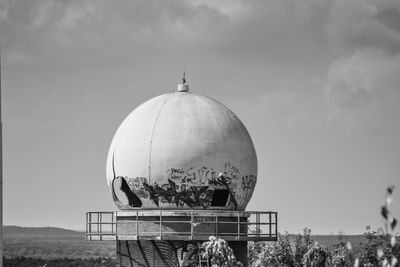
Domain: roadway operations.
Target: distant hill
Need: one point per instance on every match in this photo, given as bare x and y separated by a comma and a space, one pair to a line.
330, 240
53, 242
46, 231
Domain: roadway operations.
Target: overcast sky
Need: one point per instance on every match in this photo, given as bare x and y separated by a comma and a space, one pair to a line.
316, 82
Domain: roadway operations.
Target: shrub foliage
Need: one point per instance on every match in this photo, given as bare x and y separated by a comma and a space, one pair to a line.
382, 248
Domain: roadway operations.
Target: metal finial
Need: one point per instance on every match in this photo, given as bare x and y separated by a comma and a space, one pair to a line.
184, 67
184, 87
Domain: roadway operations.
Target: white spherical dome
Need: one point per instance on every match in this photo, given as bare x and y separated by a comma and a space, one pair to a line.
182, 151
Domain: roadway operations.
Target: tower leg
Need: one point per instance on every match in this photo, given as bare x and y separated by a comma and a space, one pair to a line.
157, 253
239, 250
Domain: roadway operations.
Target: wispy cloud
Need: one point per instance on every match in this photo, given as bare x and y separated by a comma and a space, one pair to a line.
366, 37
79, 30
66, 28
352, 80
365, 24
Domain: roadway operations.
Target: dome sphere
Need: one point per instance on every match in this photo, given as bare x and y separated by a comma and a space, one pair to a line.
182, 151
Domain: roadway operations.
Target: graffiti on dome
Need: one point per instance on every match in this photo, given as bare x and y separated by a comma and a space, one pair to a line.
248, 184
193, 187
134, 201
203, 175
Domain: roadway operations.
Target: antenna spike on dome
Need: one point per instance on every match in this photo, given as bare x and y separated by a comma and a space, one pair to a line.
184, 87
184, 72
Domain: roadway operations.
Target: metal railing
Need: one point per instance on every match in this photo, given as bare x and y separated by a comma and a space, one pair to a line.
181, 225
101, 226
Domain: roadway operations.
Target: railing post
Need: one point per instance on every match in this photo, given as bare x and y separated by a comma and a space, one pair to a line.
160, 224
90, 225
238, 225
216, 225
87, 225
115, 218
137, 225
258, 225
191, 226
97, 222
276, 225
246, 223
100, 223
270, 224
112, 223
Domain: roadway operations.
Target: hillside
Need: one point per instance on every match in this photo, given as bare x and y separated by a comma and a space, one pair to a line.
43, 231
52, 242
330, 240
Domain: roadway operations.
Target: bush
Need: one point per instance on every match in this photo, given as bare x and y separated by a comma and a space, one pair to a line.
219, 254
289, 250
382, 248
379, 250
343, 255
317, 256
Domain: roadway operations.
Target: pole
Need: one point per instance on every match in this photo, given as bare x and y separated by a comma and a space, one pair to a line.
1, 178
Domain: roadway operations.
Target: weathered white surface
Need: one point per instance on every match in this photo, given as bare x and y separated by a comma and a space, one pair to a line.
188, 139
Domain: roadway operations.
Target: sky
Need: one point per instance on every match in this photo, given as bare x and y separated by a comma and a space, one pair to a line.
315, 82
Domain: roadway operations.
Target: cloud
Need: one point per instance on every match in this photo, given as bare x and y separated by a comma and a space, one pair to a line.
362, 93
353, 80
67, 31
366, 37
365, 24
231, 8
271, 36
57, 30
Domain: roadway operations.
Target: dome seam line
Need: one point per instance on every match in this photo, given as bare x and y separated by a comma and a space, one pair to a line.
152, 136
